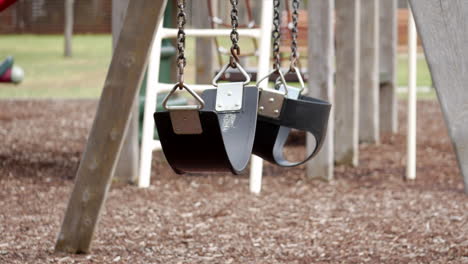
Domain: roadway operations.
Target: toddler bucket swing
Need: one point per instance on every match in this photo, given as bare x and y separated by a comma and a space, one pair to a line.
217, 134
285, 108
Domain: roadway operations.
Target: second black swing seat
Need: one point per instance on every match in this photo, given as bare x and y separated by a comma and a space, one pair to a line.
277, 119
213, 140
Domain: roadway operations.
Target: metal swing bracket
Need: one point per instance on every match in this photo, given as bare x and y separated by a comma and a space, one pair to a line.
272, 100
229, 97
293, 92
271, 103
185, 118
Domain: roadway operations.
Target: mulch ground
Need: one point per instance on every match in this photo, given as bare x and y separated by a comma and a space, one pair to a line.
368, 214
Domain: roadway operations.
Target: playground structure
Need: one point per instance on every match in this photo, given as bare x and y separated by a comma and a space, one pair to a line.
9, 72
4, 4
143, 17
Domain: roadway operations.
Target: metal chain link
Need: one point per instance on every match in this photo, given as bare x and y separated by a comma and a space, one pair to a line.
276, 35
181, 59
235, 49
294, 33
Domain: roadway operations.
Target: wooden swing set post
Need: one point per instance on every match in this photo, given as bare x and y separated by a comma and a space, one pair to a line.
105, 141
127, 166
442, 26
388, 64
369, 73
347, 82
321, 38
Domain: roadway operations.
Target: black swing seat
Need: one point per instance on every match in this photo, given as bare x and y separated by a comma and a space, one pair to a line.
225, 142
304, 113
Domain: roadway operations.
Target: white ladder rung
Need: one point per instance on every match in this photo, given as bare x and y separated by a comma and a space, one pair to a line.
208, 33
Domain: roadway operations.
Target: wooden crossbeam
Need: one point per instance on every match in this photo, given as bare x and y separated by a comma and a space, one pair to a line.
106, 137
321, 55
442, 25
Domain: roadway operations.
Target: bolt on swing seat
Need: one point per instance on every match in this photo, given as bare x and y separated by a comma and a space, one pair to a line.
215, 136
284, 109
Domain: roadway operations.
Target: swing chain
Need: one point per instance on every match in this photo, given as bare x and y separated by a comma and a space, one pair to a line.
276, 36
181, 59
294, 33
235, 49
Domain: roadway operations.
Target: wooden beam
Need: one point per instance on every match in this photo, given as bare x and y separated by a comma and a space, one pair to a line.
68, 31
369, 73
321, 55
388, 62
119, 11
127, 167
204, 46
106, 137
442, 25
347, 82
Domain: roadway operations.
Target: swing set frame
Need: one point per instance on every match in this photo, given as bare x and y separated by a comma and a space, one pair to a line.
439, 23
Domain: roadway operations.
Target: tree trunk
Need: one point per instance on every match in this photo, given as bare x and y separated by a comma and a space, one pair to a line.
69, 8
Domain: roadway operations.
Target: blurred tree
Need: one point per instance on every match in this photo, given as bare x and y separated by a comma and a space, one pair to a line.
69, 8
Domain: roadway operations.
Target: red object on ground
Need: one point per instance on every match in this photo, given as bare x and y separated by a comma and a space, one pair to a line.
4, 4
6, 77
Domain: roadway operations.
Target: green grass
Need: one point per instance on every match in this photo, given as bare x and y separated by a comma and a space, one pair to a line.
50, 75
423, 75
430, 95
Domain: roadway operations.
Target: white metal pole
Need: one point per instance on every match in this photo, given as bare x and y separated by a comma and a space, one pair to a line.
147, 138
256, 165
412, 97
